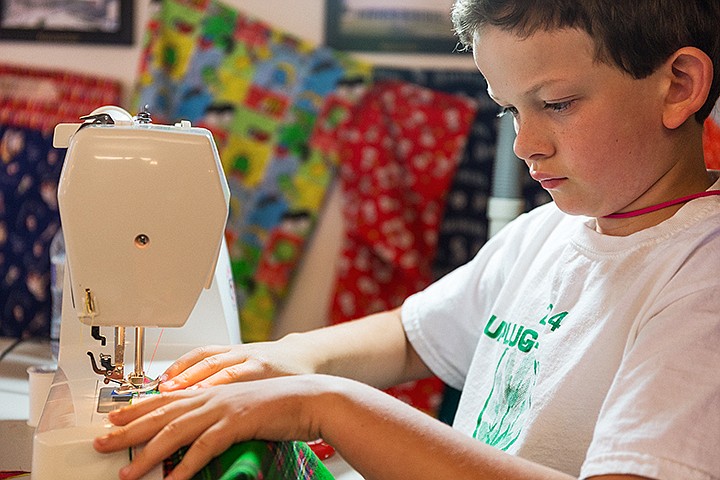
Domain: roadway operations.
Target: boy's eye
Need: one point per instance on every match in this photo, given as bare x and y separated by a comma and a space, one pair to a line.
559, 106
507, 110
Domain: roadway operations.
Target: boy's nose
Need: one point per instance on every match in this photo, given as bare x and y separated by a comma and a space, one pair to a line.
531, 142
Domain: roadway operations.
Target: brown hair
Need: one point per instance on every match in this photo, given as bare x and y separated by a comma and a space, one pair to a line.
636, 36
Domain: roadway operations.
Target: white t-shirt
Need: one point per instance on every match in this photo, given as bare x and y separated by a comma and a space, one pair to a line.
589, 353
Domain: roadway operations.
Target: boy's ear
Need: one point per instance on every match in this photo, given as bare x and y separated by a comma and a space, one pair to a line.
690, 73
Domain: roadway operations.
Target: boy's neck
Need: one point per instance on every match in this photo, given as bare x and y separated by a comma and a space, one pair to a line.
627, 226
683, 150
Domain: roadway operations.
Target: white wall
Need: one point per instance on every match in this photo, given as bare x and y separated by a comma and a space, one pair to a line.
307, 306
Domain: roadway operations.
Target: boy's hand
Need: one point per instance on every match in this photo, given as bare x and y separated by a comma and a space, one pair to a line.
213, 419
372, 350
221, 364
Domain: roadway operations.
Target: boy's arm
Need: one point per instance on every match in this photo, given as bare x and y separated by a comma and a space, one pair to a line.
373, 350
386, 439
380, 436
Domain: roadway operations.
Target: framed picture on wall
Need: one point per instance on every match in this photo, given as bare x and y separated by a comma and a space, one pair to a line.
407, 26
67, 21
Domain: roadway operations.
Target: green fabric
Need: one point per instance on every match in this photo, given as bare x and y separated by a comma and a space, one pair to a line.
245, 461
259, 460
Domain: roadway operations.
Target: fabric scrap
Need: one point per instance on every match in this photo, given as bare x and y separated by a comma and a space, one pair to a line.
259, 460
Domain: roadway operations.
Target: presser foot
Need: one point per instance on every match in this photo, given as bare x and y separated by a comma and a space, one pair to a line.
130, 388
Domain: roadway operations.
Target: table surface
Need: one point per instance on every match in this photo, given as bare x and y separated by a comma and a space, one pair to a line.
13, 375
16, 435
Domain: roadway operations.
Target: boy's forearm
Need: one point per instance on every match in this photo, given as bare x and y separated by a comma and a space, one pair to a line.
384, 438
372, 350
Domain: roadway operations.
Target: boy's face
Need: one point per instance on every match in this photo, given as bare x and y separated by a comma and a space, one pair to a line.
590, 134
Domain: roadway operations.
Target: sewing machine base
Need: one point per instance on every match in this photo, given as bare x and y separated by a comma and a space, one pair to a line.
76, 413
77, 405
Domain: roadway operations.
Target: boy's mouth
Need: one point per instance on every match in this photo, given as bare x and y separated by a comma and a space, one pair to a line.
548, 182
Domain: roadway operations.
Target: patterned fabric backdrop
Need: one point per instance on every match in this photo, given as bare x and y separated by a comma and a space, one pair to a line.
711, 139
262, 93
464, 226
400, 153
32, 102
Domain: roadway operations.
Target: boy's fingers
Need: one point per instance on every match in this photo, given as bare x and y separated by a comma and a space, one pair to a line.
162, 432
207, 446
131, 434
200, 371
238, 372
196, 427
125, 415
173, 436
192, 358
140, 422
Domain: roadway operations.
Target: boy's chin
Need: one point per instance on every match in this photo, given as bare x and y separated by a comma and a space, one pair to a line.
575, 210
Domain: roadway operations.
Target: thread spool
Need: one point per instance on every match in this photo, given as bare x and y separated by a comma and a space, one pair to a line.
40, 379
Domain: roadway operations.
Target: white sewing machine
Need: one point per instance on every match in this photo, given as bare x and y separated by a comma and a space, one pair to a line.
143, 210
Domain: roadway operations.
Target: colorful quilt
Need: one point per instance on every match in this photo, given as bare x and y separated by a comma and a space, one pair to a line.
400, 153
266, 96
32, 102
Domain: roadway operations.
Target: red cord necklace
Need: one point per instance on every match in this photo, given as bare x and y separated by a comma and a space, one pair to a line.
660, 206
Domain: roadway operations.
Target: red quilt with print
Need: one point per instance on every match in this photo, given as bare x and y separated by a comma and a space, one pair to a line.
398, 156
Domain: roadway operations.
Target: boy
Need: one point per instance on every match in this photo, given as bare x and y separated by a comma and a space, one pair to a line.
583, 335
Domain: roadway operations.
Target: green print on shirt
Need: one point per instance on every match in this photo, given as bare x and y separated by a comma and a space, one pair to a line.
512, 334
501, 419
